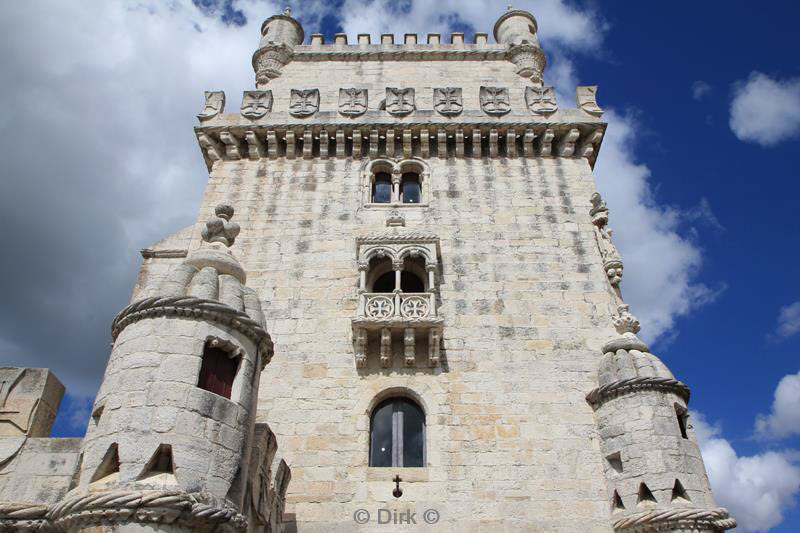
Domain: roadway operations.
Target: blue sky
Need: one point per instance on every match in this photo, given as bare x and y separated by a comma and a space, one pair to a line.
704, 114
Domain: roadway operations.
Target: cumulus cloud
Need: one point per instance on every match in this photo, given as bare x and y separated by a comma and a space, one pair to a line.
784, 418
700, 89
764, 110
756, 489
660, 264
99, 160
788, 322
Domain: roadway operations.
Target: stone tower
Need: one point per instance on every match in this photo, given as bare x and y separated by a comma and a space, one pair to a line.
421, 235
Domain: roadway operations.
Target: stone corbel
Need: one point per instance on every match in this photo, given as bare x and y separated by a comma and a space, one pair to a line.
233, 145
361, 347
272, 144
493, 150
527, 142
268, 62
424, 143
255, 147
441, 136
290, 144
323, 144
434, 340
308, 144
409, 347
546, 142
476, 143
212, 148
587, 147
511, 143
566, 146
386, 347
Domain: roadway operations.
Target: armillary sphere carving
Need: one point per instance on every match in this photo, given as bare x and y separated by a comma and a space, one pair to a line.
414, 307
380, 307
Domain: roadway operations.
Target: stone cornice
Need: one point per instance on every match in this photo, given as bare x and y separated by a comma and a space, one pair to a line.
150, 253
397, 322
402, 52
426, 134
190, 307
676, 519
601, 394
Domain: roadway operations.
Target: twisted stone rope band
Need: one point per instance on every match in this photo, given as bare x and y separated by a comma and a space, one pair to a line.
23, 517
191, 307
656, 520
150, 506
599, 395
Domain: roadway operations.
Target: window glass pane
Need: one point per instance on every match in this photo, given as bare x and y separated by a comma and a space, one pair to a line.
381, 436
382, 188
410, 188
413, 434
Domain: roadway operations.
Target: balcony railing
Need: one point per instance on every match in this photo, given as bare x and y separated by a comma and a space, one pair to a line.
397, 306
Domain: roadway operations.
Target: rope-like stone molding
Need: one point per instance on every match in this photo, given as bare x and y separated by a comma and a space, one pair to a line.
690, 519
399, 125
605, 392
23, 517
162, 506
192, 307
412, 237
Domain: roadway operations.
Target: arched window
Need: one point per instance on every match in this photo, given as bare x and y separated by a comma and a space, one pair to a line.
410, 188
397, 434
382, 188
217, 371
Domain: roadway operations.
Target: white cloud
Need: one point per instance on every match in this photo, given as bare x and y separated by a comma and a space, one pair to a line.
700, 89
660, 265
765, 110
788, 322
756, 489
784, 418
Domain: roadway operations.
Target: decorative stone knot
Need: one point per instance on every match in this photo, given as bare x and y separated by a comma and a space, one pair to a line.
220, 228
625, 322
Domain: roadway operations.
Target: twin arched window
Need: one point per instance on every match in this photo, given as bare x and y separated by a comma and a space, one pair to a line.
397, 434
409, 190
395, 183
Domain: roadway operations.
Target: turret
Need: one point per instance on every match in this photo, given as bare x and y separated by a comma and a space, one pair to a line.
279, 35
655, 476
173, 424
518, 30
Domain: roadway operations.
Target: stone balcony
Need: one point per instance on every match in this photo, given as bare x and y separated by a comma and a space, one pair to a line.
407, 315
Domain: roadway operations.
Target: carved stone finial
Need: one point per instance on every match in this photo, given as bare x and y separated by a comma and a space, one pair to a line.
624, 322
219, 228
509, 7
287, 11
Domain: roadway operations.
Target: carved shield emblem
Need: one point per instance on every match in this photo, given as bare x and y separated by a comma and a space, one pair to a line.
215, 105
447, 100
541, 100
352, 102
399, 101
495, 100
303, 102
587, 100
256, 104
